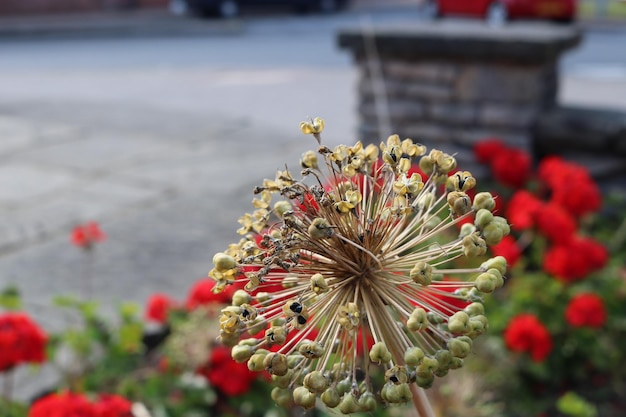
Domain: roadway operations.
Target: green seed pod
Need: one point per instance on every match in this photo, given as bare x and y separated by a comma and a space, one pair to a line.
458, 323
282, 207
422, 273
418, 320
474, 245
309, 160
485, 283
348, 404
444, 357
425, 380
330, 397
229, 339
379, 353
241, 297
485, 201
427, 367
396, 375
427, 164
275, 363
241, 353
304, 398
255, 363
483, 218
281, 396
344, 386
498, 262
367, 402
289, 281
459, 348
256, 325
459, 203
319, 284
413, 356
294, 360
506, 229
315, 382
475, 309
310, 349
492, 233
466, 230
284, 380
499, 280
320, 229
456, 363
223, 262
276, 335
398, 394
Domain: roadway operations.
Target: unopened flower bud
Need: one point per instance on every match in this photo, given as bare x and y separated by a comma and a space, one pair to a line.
485, 283
304, 398
379, 353
315, 382
413, 356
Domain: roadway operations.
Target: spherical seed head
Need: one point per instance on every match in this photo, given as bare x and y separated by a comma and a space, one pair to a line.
345, 273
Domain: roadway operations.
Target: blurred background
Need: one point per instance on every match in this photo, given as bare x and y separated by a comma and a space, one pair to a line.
156, 118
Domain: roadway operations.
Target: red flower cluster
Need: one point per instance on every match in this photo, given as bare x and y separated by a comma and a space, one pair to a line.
158, 306
509, 249
77, 405
525, 333
570, 185
522, 210
509, 166
575, 259
86, 235
226, 375
201, 294
21, 341
586, 310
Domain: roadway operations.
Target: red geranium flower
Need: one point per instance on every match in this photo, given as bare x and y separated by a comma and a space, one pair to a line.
86, 235
486, 150
158, 307
63, 404
201, 294
575, 259
586, 310
511, 167
525, 333
555, 223
226, 375
509, 249
112, 406
21, 341
522, 210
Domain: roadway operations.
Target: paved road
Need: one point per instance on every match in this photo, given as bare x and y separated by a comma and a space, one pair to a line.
162, 139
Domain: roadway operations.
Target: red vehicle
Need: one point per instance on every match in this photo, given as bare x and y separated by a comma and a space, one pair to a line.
499, 11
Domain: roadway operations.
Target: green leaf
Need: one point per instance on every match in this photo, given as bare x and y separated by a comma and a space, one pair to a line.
10, 298
573, 405
129, 336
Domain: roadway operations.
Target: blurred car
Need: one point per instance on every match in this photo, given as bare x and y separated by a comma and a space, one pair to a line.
499, 11
232, 8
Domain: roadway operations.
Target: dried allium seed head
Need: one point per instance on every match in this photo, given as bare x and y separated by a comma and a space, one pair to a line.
353, 269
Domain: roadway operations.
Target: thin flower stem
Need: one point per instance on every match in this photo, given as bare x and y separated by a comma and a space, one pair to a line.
421, 402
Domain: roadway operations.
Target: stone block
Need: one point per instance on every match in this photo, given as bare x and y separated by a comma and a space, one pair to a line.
507, 83
518, 116
428, 133
429, 71
417, 90
452, 113
398, 110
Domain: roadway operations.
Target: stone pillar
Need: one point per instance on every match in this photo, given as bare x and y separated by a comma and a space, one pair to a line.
449, 84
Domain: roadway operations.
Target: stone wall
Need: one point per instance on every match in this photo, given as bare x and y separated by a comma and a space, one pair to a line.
29, 7
454, 84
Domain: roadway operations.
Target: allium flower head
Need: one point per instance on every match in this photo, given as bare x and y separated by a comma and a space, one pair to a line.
351, 258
